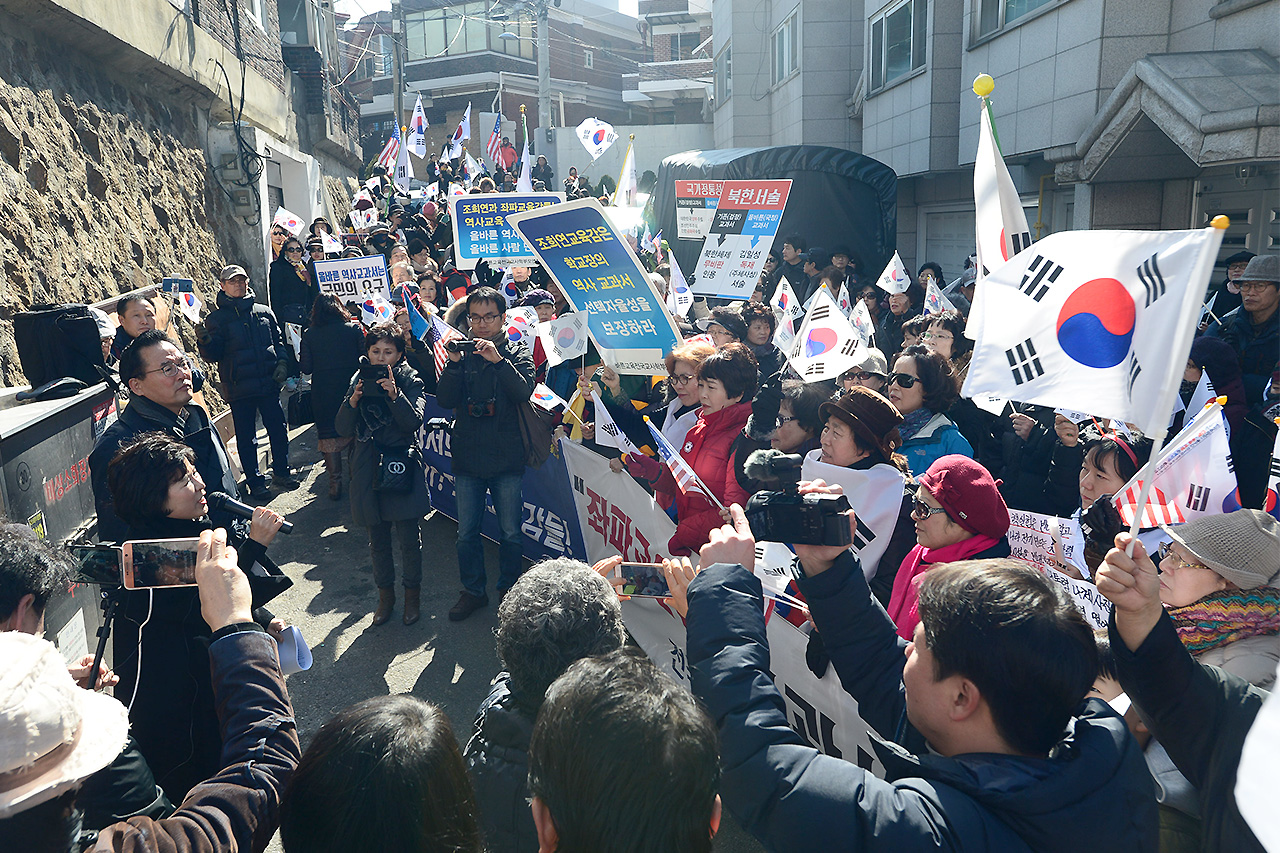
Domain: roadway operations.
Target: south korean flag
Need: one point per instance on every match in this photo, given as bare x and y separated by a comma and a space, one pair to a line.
827, 344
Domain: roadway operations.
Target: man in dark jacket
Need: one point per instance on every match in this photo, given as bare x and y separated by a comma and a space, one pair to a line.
973, 718
159, 378
487, 388
244, 338
79, 732
1200, 714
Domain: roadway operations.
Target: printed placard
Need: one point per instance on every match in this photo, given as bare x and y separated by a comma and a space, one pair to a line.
746, 220
695, 207
481, 231
354, 279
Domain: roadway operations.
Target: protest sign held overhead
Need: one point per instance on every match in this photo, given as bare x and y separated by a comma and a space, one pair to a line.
601, 276
695, 207
481, 231
596, 136
827, 344
746, 220
1094, 320
354, 279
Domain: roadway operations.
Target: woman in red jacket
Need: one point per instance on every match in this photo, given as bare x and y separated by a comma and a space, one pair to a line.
726, 384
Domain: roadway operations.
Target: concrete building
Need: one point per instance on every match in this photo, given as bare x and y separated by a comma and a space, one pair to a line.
674, 83
1111, 113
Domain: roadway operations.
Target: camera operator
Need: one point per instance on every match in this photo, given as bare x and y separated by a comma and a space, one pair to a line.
56, 735
164, 667
485, 381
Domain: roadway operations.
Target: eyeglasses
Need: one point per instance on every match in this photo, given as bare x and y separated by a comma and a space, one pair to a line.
170, 369
870, 294
1166, 551
922, 511
937, 336
783, 420
1253, 285
483, 318
860, 376
903, 380
680, 378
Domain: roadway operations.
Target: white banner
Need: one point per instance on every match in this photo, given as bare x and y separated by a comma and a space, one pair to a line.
876, 497
616, 515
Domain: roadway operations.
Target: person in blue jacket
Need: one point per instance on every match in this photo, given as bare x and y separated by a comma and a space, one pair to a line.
923, 386
984, 729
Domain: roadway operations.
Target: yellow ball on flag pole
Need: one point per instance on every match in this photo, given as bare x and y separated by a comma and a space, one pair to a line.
983, 85
1220, 222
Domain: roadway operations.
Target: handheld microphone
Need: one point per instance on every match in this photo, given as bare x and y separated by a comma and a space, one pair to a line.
223, 502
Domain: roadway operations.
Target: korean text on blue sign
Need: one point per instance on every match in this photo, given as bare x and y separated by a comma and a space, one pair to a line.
354, 279
481, 232
602, 278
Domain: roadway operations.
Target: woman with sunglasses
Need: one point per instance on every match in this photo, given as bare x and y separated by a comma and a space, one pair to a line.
923, 387
289, 285
871, 372
959, 515
1217, 582
902, 307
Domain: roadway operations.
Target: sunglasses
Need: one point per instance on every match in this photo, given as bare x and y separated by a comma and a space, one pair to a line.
293, 248
903, 380
922, 511
860, 376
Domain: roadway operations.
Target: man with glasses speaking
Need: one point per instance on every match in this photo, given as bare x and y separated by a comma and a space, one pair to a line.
158, 376
485, 381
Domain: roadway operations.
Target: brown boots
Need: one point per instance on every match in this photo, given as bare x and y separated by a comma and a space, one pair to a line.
386, 601
333, 462
411, 605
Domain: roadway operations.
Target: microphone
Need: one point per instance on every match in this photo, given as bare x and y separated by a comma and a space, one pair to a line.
768, 465
223, 502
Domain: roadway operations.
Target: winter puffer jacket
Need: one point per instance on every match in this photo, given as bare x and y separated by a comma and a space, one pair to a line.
498, 760
244, 338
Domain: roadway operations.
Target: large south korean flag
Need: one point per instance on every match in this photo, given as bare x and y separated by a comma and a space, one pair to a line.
1098, 321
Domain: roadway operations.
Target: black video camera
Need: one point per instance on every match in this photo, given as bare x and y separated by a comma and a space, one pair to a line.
466, 346
786, 515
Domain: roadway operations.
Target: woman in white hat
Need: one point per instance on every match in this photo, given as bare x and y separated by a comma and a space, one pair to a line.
1216, 581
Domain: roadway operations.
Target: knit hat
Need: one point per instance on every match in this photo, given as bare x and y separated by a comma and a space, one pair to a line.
1242, 546
727, 318
969, 494
536, 297
873, 419
53, 734
1262, 268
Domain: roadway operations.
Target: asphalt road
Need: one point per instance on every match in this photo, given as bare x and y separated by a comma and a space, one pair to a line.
332, 600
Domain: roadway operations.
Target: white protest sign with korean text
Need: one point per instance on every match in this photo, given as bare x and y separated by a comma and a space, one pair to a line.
747, 217
695, 207
354, 279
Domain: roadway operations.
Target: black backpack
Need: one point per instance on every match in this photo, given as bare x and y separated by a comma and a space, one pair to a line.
55, 341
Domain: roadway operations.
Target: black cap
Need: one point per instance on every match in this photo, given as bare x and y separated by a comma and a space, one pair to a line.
1239, 258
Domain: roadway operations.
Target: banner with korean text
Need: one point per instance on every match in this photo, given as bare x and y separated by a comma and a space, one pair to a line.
602, 278
695, 207
746, 220
481, 231
354, 279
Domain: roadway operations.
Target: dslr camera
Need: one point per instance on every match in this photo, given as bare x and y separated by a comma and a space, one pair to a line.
785, 515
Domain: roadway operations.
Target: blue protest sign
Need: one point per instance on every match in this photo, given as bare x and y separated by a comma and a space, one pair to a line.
602, 278
549, 521
481, 231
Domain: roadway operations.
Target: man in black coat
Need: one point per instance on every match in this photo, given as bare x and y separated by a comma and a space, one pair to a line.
159, 378
244, 338
487, 389
987, 739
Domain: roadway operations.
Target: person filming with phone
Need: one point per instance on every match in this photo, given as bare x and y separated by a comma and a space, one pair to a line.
485, 381
161, 641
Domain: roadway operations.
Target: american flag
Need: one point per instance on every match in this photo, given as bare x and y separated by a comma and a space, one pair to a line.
686, 478
390, 151
439, 335
494, 148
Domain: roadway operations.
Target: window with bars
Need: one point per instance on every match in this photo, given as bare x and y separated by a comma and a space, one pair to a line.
898, 41
785, 49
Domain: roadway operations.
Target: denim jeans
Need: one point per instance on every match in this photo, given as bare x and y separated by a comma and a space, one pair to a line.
505, 490
244, 414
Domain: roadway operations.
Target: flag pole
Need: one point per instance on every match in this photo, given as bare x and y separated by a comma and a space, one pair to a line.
701, 485
1183, 332
983, 86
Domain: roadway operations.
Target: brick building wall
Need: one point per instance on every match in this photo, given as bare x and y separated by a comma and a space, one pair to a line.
259, 40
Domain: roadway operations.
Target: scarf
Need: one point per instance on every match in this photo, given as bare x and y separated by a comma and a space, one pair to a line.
914, 422
903, 601
1224, 617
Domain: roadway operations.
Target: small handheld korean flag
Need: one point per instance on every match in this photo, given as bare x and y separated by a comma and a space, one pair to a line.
289, 221
827, 344
862, 322
564, 338
508, 288
1271, 501
784, 301
375, 309
934, 301
417, 138
544, 398
679, 294
330, 244
363, 220
607, 432
895, 278
843, 302
1096, 321
191, 305
596, 136
520, 323
404, 169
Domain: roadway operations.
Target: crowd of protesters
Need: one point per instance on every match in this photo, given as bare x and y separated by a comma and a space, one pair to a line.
1001, 719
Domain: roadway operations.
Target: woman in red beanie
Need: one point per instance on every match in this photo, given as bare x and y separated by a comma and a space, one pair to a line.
959, 515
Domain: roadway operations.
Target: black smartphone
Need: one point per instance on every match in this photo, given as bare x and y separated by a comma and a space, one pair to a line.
159, 562
98, 564
369, 375
643, 579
